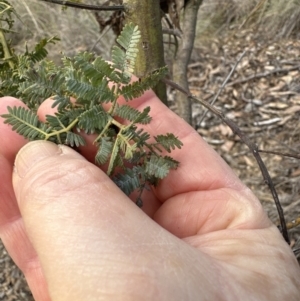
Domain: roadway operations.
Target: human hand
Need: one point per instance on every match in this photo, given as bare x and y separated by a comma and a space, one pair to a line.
201, 234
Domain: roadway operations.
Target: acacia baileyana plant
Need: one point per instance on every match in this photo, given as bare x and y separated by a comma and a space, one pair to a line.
133, 162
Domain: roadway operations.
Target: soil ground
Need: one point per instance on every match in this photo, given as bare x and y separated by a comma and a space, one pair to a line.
262, 97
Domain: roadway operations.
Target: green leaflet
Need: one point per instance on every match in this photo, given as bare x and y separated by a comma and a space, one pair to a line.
130, 180
25, 123
169, 142
124, 58
93, 120
104, 150
131, 114
158, 167
95, 69
40, 52
85, 90
137, 88
73, 139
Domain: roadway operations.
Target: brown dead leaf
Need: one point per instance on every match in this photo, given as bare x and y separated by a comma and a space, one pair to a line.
292, 110
278, 87
227, 146
287, 79
248, 161
295, 173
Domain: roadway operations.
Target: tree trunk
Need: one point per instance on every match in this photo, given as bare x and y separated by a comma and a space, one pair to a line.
186, 43
146, 14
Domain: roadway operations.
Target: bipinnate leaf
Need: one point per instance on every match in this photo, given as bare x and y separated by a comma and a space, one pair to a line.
172, 163
86, 91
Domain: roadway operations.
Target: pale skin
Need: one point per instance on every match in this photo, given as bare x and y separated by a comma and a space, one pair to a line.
201, 235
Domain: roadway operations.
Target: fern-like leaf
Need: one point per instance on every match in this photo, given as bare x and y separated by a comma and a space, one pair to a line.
157, 167
172, 163
130, 180
40, 52
88, 79
124, 58
141, 137
73, 139
104, 150
41, 84
128, 113
80, 87
25, 123
93, 119
55, 122
168, 141
137, 88
95, 69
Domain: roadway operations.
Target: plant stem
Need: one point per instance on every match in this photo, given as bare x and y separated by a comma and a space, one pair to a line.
64, 130
146, 15
7, 53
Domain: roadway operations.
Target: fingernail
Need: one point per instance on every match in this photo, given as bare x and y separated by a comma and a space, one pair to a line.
32, 153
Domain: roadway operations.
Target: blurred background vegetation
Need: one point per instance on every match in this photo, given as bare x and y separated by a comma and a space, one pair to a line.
79, 30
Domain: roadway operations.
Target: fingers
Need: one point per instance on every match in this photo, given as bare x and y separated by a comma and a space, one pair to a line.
201, 168
10, 141
12, 231
89, 237
201, 212
89, 150
65, 203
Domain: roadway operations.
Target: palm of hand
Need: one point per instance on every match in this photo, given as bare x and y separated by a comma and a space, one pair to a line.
206, 238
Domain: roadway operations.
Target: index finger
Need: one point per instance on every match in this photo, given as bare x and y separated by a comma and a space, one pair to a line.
201, 168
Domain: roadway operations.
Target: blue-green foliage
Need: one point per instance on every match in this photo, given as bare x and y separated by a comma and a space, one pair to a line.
85, 91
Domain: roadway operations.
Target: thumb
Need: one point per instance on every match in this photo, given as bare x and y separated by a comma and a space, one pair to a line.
94, 243
75, 217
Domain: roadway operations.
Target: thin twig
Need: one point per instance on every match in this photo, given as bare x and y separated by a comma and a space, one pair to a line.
100, 37
252, 146
86, 6
261, 75
224, 84
32, 17
279, 153
7, 53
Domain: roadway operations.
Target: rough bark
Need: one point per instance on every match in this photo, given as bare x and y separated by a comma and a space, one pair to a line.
186, 43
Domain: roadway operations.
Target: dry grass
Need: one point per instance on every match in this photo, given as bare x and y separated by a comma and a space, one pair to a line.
274, 18
77, 29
